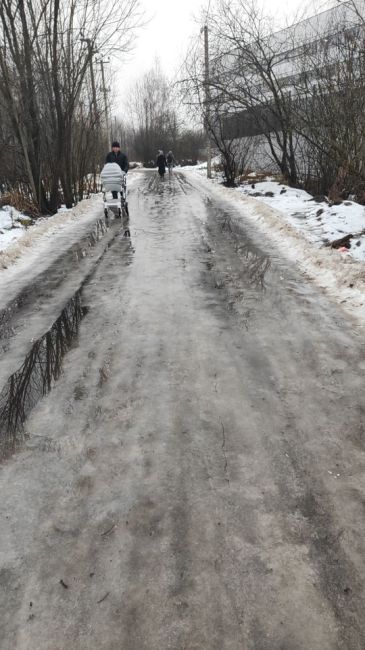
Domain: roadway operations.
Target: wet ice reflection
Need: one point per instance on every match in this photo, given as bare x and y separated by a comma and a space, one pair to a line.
49, 281
254, 264
34, 378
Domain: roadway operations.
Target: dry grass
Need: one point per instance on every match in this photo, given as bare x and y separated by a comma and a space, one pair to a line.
20, 202
260, 176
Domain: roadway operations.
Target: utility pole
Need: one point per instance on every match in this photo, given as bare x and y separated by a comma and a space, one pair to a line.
90, 46
207, 102
105, 93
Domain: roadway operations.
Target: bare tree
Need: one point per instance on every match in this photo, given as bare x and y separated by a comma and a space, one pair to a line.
154, 115
301, 89
214, 110
331, 94
46, 61
247, 67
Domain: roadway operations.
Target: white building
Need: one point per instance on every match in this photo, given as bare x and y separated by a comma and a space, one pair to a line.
298, 52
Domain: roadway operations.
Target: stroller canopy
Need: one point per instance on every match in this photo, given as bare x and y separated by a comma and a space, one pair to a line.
112, 177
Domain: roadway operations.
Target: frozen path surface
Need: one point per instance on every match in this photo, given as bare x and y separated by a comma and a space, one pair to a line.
195, 479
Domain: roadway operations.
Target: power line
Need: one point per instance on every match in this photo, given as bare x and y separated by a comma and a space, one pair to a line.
193, 44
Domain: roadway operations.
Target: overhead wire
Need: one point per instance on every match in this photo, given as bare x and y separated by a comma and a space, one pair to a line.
206, 18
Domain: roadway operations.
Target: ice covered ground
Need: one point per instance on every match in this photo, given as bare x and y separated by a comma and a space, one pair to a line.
316, 221
298, 225
340, 275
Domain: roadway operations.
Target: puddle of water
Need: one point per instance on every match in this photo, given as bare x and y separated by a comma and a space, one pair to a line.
35, 377
255, 263
43, 364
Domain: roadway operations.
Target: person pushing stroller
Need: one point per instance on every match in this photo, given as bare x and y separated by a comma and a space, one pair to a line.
117, 156
113, 178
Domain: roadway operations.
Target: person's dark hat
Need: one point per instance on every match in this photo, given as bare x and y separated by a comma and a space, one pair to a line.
115, 144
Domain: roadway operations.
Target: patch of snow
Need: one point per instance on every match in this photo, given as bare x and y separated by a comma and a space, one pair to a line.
12, 214
11, 226
216, 160
318, 222
45, 229
197, 167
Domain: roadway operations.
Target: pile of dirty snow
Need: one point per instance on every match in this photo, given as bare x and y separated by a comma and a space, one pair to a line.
45, 228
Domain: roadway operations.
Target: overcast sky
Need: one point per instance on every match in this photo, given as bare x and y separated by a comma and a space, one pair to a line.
171, 24
166, 34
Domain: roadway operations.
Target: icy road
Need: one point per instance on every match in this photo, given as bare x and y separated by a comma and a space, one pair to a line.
195, 478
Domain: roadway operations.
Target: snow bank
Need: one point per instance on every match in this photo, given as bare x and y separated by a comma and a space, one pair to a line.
339, 275
201, 166
16, 238
316, 221
22, 241
42, 234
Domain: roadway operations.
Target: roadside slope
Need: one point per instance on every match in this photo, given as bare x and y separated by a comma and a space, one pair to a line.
341, 277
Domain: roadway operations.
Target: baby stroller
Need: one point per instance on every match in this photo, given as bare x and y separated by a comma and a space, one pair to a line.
113, 179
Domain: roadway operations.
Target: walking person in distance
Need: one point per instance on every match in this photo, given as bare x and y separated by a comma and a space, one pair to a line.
161, 163
171, 162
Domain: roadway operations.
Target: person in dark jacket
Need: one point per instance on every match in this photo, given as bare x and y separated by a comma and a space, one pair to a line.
161, 163
116, 156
